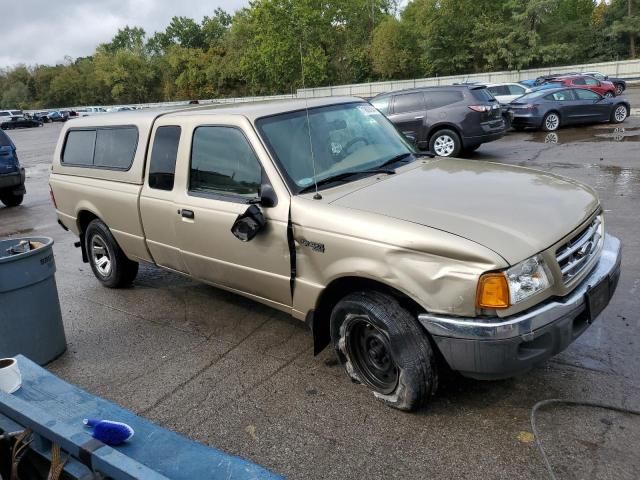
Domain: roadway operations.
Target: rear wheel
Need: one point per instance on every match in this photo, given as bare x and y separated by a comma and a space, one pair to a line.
619, 114
109, 263
551, 122
381, 345
445, 143
12, 200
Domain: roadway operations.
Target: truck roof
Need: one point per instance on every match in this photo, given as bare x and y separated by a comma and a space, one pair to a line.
251, 110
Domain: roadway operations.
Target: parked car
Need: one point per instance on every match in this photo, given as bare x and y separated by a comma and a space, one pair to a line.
551, 109
321, 209
43, 116
87, 111
11, 173
57, 116
445, 120
619, 84
604, 87
507, 92
7, 115
20, 122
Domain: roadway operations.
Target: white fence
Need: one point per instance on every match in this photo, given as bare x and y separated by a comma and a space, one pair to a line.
623, 69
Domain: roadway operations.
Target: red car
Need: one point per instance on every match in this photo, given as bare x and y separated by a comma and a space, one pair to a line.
603, 87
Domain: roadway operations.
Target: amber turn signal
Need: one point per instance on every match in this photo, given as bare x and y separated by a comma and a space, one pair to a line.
493, 291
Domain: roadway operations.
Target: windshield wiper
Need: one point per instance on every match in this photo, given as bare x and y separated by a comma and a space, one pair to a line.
404, 158
345, 175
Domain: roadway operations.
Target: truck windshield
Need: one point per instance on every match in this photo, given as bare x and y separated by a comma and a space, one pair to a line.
349, 137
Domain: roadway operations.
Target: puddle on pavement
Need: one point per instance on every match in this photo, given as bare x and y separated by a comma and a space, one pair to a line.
597, 133
611, 178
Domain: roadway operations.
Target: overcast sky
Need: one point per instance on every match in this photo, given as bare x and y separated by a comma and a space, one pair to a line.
44, 31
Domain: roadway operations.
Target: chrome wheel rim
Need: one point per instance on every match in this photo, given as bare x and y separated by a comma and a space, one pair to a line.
552, 121
444, 145
620, 113
618, 90
100, 255
608, 94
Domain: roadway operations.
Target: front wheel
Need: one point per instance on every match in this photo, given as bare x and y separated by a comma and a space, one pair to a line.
445, 143
381, 345
12, 200
619, 89
619, 115
609, 94
551, 122
109, 263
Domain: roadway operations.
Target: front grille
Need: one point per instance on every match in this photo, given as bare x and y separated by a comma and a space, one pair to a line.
576, 254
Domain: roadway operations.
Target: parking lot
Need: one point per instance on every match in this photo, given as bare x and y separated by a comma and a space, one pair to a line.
242, 377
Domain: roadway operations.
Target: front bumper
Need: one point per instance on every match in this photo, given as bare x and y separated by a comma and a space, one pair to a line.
496, 348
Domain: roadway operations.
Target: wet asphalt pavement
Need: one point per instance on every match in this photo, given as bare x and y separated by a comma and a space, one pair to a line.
240, 376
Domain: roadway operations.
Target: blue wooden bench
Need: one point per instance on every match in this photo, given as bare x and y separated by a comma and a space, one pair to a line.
54, 410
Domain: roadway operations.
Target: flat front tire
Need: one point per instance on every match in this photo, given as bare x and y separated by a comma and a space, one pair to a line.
109, 263
381, 345
445, 143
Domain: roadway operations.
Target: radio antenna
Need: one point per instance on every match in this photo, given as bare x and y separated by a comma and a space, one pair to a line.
317, 195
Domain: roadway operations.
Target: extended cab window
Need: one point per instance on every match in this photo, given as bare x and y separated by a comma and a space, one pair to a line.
162, 168
108, 147
222, 162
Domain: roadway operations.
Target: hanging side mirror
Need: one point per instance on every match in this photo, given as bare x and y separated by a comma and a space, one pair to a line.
248, 224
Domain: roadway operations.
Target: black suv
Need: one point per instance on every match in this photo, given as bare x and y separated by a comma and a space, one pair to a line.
445, 120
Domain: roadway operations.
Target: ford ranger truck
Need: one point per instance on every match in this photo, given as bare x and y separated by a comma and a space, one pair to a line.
398, 260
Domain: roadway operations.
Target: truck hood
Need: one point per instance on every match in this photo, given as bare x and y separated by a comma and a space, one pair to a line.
516, 212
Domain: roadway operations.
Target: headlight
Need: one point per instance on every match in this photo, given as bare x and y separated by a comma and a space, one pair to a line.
498, 290
528, 278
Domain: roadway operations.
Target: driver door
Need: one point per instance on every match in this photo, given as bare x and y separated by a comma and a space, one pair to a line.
222, 175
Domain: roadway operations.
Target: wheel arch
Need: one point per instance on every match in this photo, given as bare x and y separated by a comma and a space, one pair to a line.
83, 218
319, 318
443, 126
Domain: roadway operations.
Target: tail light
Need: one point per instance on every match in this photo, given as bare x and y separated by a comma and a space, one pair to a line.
480, 108
53, 198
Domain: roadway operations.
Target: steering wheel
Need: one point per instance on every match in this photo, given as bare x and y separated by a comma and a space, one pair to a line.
352, 142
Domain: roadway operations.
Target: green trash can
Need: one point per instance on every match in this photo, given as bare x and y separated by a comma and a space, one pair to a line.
30, 317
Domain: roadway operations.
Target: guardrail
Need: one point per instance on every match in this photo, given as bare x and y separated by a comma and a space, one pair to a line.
622, 69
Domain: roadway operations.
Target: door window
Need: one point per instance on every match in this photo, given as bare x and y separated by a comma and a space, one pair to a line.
162, 167
584, 94
439, 99
561, 96
499, 90
578, 81
409, 102
223, 163
591, 81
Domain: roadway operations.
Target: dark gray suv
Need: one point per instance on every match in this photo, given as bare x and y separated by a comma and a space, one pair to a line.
446, 120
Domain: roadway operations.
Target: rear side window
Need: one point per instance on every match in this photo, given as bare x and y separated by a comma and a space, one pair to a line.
162, 167
561, 96
579, 81
110, 147
115, 147
223, 163
78, 149
443, 98
591, 81
409, 102
584, 94
516, 90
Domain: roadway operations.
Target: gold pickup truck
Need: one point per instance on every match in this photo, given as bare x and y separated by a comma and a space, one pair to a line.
405, 263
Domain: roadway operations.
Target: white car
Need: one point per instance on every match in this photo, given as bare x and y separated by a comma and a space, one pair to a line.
507, 92
86, 111
8, 115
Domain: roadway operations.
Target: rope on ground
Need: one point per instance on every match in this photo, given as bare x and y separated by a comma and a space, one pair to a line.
552, 401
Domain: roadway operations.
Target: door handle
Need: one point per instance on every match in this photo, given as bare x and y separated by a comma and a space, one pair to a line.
187, 213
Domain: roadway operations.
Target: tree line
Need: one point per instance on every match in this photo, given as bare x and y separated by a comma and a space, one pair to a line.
266, 47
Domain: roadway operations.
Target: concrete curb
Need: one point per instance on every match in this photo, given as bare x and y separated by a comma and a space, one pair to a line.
635, 111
